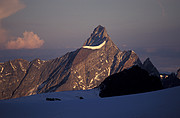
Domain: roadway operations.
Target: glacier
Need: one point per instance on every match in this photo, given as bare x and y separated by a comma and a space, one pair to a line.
157, 104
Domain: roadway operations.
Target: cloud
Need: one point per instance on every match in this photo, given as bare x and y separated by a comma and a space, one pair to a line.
3, 36
28, 41
7, 8
162, 8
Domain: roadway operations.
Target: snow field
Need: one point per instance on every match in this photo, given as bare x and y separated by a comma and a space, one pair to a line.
158, 104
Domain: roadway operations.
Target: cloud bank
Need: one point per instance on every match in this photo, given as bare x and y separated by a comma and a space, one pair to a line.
7, 8
28, 41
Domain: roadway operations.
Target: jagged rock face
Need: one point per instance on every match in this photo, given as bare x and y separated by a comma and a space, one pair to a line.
11, 75
31, 79
89, 67
82, 69
148, 66
98, 36
131, 81
171, 81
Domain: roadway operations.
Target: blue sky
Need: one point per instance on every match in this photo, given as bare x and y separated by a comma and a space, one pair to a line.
150, 27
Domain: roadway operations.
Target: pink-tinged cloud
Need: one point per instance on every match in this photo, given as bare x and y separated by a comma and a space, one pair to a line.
28, 41
3, 36
7, 8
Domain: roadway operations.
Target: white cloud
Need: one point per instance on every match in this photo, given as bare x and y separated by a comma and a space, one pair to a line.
28, 41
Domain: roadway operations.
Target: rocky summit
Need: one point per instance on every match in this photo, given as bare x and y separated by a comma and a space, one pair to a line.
82, 69
150, 68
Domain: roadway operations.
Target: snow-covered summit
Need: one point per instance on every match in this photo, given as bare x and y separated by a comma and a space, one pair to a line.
98, 37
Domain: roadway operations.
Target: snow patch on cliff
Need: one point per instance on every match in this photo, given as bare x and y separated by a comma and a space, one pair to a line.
95, 47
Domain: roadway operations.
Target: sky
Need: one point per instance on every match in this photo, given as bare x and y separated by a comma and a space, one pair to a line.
149, 27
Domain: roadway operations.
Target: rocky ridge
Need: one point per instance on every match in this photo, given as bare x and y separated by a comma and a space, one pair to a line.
82, 69
150, 68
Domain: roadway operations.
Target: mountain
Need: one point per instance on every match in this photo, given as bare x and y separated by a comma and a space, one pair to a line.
129, 81
150, 68
82, 69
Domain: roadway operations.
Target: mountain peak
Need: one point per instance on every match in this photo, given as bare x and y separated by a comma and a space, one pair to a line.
148, 66
98, 37
148, 59
99, 29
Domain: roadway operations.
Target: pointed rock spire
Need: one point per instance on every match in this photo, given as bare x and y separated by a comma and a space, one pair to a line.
148, 66
101, 31
98, 36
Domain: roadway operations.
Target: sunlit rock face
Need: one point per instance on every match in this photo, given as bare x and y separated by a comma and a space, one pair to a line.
20, 77
11, 75
82, 69
87, 68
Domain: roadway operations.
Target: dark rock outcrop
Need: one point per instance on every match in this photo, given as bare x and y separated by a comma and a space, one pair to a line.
150, 68
178, 73
171, 81
130, 81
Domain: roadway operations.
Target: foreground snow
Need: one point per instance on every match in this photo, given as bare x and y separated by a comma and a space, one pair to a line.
158, 104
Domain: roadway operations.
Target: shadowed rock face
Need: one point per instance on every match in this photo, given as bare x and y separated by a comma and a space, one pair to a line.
171, 81
78, 70
178, 73
131, 81
150, 68
98, 36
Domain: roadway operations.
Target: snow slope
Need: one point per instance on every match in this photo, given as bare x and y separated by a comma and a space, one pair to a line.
159, 104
